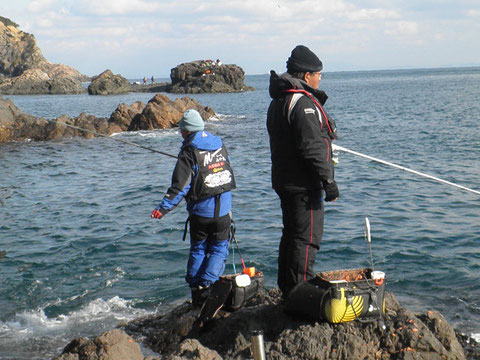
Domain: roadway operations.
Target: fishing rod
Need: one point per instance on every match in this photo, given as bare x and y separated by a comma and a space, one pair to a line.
113, 138
340, 148
233, 229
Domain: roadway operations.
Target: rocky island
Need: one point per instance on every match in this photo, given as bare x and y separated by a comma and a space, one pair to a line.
206, 76
178, 335
196, 77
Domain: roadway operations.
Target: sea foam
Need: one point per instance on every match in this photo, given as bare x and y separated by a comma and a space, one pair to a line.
34, 327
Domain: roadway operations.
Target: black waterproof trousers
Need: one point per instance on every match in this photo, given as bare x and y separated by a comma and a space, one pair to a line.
301, 237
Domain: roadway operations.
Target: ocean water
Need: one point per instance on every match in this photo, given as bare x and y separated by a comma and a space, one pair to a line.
83, 254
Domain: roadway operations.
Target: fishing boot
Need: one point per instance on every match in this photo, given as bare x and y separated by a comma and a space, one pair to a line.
199, 295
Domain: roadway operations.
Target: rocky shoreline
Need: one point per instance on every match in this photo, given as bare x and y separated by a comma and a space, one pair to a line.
177, 335
159, 113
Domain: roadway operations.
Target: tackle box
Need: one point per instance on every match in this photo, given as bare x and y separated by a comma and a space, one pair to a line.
340, 296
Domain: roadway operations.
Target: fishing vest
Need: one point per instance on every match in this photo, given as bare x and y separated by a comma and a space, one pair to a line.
329, 123
215, 175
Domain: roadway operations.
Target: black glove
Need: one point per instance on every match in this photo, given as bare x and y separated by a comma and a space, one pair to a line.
331, 191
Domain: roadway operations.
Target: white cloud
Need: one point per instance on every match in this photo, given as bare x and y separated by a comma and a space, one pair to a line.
401, 28
44, 22
473, 12
372, 14
118, 7
41, 5
257, 33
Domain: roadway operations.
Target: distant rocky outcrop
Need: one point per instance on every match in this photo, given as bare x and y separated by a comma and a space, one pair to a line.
150, 88
407, 335
160, 112
109, 84
39, 81
207, 77
24, 70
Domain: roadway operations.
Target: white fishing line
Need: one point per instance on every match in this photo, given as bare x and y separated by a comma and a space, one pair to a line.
341, 148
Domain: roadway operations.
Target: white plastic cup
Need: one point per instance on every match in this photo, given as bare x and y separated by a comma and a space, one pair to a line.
242, 280
378, 275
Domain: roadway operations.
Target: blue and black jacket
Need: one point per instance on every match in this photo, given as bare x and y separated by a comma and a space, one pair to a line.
186, 174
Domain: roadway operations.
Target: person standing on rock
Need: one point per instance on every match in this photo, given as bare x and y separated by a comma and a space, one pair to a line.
204, 177
301, 135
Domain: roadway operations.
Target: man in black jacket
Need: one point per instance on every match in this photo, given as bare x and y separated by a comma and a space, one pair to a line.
301, 135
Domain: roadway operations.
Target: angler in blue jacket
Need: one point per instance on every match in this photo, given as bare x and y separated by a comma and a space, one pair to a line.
204, 177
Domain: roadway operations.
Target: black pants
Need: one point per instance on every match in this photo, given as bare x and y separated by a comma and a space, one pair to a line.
301, 237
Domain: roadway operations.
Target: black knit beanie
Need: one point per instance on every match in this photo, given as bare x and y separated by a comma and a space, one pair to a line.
303, 59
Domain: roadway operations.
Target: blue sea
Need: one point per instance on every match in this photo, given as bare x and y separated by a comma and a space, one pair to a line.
83, 254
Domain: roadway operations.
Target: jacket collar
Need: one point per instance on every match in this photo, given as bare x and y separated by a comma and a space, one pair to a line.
279, 84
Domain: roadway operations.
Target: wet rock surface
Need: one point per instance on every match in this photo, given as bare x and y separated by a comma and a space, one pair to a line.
178, 334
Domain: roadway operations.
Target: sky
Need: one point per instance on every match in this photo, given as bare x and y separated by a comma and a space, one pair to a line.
137, 38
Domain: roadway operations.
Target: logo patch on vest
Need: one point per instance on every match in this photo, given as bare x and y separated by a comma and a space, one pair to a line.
309, 111
210, 157
218, 179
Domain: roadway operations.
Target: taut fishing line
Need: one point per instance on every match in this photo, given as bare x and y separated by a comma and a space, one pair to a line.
340, 148
113, 138
335, 148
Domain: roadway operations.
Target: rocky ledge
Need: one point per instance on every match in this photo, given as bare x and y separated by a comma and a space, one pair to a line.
205, 76
178, 335
159, 113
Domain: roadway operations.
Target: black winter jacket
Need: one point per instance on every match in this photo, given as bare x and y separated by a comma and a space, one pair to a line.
300, 135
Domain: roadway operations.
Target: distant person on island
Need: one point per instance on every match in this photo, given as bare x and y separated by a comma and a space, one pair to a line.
219, 63
144, 81
153, 80
301, 135
204, 177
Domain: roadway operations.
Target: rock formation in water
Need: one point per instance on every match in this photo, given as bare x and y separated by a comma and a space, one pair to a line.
24, 70
160, 112
109, 84
207, 77
407, 335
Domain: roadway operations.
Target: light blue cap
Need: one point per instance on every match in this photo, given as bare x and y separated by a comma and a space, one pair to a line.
191, 121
